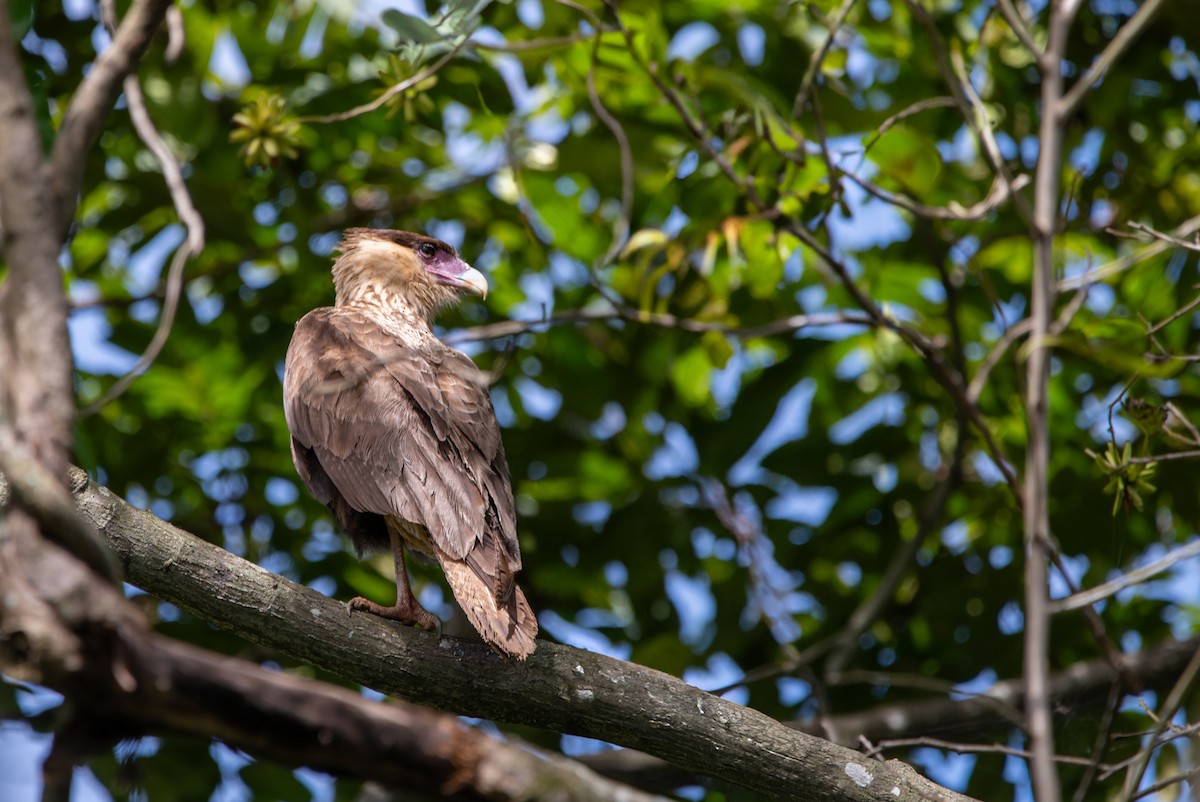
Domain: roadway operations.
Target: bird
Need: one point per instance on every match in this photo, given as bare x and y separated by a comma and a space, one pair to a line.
394, 431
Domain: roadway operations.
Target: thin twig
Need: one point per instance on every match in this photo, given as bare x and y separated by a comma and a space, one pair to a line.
1162, 785
998, 194
1100, 744
1013, 333
622, 234
1013, 17
1188, 307
1123, 263
786, 325
1170, 456
193, 223
1116, 48
904, 113
750, 539
1112, 587
965, 748
982, 127
1165, 713
93, 100
818, 56
525, 45
1158, 235
391, 91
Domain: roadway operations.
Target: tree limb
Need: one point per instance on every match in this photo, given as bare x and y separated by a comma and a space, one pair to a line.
1081, 686
53, 610
299, 721
560, 688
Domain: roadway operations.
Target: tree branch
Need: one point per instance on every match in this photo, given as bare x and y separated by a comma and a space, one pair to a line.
559, 688
135, 681
299, 721
92, 102
1047, 178
1073, 689
192, 222
1116, 48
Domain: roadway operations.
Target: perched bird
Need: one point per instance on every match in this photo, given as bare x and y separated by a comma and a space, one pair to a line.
395, 432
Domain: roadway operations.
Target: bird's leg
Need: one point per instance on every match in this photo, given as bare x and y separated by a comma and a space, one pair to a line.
407, 609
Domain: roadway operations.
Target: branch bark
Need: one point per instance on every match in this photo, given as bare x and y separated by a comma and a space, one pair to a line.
1081, 686
1036, 511
157, 685
559, 688
298, 721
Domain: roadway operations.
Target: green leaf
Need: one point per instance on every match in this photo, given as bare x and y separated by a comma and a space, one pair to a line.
20, 16
910, 158
691, 374
410, 28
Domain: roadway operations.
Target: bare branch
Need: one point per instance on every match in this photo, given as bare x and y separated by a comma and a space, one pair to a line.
981, 125
391, 91
904, 113
1158, 235
613, 125
1165, 713
192, 245
93, 101
1125, 37
525, 45
1019, 27
1135, 577
818, 56
1123, 263
971, 749
998, 194
749, 538
793, 323
564, 689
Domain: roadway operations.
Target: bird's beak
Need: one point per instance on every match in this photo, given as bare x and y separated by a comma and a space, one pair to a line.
472, 282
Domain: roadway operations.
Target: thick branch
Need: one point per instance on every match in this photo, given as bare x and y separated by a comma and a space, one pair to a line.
35, 389
132, 681
559, 688
300, 721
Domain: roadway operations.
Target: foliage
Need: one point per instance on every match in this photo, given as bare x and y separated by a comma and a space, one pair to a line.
673, 387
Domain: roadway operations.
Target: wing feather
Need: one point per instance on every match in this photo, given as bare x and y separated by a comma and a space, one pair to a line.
400, 431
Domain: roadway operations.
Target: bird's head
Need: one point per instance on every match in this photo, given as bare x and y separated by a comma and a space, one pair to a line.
386, 267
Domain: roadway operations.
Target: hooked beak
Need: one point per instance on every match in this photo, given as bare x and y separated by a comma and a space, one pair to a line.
472, 282
462, 277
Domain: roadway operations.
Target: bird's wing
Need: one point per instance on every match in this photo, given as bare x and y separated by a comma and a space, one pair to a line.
403, 432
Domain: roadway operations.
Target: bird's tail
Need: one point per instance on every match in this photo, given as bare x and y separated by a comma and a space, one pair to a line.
507, 626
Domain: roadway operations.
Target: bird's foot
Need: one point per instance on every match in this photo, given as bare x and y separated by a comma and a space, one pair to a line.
407, 611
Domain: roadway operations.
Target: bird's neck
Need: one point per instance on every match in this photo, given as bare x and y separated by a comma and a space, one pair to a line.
393, 311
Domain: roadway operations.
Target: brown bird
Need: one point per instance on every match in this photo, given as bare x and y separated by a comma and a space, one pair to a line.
395, 432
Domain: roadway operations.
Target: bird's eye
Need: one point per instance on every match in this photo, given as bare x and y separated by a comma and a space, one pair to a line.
427, 250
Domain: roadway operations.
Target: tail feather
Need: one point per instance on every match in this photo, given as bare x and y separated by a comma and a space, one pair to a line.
508, 626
